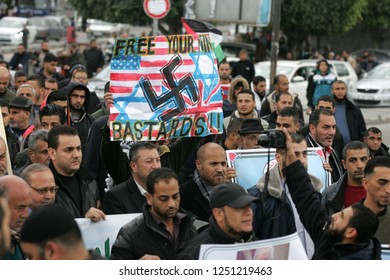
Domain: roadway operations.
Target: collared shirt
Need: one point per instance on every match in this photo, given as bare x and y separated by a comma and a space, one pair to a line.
174, 239
141, 189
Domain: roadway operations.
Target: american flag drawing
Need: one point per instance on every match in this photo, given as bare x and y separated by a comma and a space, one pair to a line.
143, 90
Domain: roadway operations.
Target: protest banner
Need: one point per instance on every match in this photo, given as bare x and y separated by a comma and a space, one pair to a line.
101, 236
4, 136
288, 247
251, 165
164, 87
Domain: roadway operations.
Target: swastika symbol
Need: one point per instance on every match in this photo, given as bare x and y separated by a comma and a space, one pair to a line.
185, 83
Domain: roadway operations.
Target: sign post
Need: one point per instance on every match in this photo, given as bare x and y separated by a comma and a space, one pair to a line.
156, 9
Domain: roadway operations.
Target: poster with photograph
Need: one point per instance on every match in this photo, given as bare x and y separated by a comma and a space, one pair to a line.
252, 164
288, 247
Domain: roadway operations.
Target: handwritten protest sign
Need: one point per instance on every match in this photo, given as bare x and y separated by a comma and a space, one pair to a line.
165, 87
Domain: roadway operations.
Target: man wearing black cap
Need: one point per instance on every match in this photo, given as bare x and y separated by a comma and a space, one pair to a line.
19, 117
231, 220
51, 233
250, 132
49, 69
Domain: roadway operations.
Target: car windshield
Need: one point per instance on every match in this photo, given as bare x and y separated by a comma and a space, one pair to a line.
264, 70
379, 72
38, 22
11, 23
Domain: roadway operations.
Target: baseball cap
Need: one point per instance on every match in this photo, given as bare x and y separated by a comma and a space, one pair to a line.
230, 194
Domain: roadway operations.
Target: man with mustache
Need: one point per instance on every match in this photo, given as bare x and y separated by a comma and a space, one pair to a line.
230, 222
162, 228
376, 182
349, 188
77, 191
41, 181
19, 202
211, 170
349, 118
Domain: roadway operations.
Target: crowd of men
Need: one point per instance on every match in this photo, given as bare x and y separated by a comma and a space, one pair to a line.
57, 142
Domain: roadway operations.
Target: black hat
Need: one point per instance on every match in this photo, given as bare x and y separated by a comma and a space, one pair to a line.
251, 126
20, 102
47, 222
230, 194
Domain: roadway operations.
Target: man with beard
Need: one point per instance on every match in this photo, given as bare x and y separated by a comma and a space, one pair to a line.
348, 189
246, 108
79, 98
275, 214
77, 190
282, 100
373, 140
162, 228
49, 69
349, 119
376, 181
41, 181
5, 93
211, 170
19, 202
224, 71
259, 87
345, 235
231, 220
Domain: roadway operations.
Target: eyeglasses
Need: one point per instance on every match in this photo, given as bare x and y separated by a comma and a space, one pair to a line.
323, 107
43, 191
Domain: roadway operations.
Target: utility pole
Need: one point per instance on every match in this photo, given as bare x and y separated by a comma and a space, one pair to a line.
276, 11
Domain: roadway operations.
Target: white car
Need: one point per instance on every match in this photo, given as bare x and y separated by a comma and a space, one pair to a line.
102, 28
374, 89
299, 71
11, 30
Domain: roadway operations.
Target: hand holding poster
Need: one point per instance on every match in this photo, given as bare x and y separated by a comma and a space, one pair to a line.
165, 87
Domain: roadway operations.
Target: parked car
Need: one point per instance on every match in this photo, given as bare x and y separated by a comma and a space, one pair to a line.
98, 82
102, 28
381, 55
299, 71
48, 29
231, 50
11, 30
64, 21
374, 89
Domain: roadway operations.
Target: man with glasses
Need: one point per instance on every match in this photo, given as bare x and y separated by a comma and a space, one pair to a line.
41, 181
